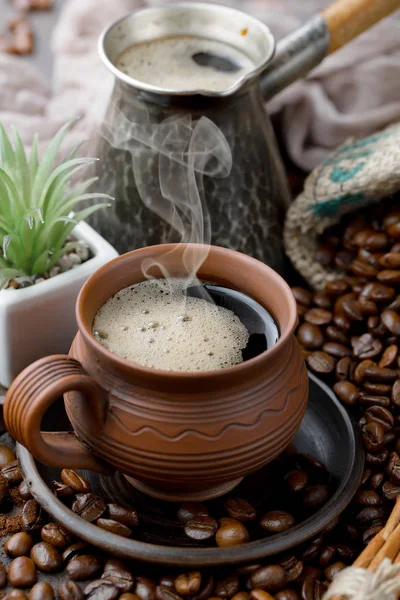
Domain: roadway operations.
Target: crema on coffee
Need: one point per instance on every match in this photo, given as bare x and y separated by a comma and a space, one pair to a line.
156, 324
185, 62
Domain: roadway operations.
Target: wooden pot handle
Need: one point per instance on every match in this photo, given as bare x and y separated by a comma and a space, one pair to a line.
346, 19
33, 392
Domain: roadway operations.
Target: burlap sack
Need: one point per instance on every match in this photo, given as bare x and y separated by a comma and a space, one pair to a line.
359, 173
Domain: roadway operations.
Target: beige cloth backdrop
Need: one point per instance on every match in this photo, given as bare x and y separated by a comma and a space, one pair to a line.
354, 92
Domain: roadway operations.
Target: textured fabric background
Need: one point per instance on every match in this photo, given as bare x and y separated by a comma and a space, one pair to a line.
354, 92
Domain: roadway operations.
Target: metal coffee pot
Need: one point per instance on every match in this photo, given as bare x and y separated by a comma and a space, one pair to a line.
246, 200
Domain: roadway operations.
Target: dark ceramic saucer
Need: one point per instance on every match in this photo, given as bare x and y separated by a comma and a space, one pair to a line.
326, 433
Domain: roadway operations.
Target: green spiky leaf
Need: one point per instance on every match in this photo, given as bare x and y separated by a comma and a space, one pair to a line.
38, 203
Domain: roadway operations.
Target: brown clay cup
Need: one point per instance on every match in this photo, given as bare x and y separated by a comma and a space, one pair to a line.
175, 435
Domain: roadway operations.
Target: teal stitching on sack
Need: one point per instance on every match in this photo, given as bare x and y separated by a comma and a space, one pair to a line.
341, 158
339, 175
338, 205
368, 140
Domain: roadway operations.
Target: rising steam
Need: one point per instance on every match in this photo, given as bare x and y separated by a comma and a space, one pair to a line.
185, 150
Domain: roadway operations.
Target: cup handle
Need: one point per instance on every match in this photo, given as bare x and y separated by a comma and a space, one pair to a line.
33, 392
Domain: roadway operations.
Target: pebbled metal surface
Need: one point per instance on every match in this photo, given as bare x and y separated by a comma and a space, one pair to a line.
246, 208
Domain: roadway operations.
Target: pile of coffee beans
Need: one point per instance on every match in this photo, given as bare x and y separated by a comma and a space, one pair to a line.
350, 334
43, 560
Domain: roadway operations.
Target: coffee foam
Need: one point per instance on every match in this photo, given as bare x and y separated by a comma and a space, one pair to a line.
167, 63
154, 324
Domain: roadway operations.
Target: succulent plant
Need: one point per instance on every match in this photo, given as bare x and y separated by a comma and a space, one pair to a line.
38, 204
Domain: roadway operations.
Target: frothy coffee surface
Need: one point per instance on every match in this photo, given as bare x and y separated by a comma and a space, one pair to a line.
185, 62
155, 324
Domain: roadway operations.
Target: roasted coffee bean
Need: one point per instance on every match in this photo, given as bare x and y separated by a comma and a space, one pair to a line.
205, 590
390, 491
391, 320
377, 389
231, 533
46, 557
191, 510
346, 392
321, 362
163, 593
15, 595
3, 576
391, 260
19, 544
345, 552
201, 528
260, 595
276, 521
89, 506
373, 436
343, 260
363, 269
62, 490
145, 588
315, 495
335, 335
389, 438
123, 515
322, 300
327, 555
24, 491
370, 258
271, 578
368, 400
393, 468
377, 480
4, 493
83, 567
69, 590
313, 589
241, 596
369, 514
288, 594
302, 296
365, 346
342, 322
75, 480
117, 572
390, 218
301, 310
167, 581
378, 292
345, 368
310, 336
370, 533
324, 255
338, 287
367, 498
367, 306
389, 276
331, 571
228, 587
6, 455
56, 535
22, 572
394, 230
396, 393
240, 509
378, 459
293, 574
101, 589
189, 584
74, 550
11, 472
379, 374
129, 596
366, 477
318, 316
41, 591
377, 414
349, 307
297, 480
31, 516
336, 350
114, 527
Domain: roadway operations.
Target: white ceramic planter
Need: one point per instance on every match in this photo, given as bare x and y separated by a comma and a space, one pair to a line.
40, 320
